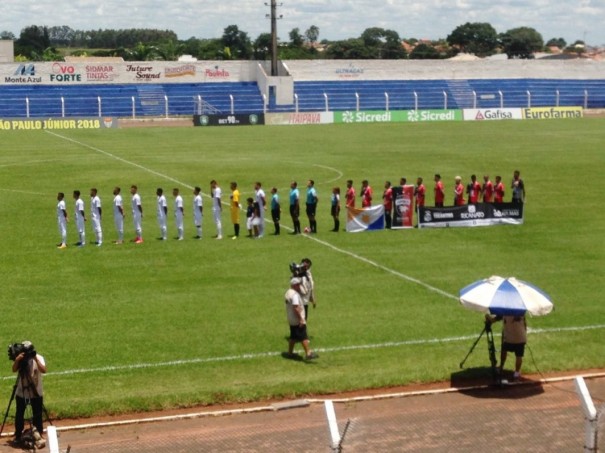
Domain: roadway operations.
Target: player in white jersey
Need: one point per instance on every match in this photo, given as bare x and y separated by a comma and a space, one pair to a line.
179, 213
217, 207
118, 214
95, 216
262, 206
198, 211
162, 213
137, 214
62, 219
80, 217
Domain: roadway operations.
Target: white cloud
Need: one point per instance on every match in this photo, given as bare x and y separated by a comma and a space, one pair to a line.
336, 19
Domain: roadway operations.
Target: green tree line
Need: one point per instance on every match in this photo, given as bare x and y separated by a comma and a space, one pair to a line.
42, 43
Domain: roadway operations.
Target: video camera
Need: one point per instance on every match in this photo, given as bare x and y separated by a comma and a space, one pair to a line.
17, 348
298, 270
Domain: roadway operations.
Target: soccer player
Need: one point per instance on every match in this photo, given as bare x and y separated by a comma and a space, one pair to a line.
419, 193
335, 208
179, 213
198, 210
350, 195
366, 194
80, 217
217, 207
275, 210
387, 201
137, 214
295, 206
62, 219
311, 203
162, 213
473, 189
118, 214
439, 191
234, 205
487, 190
518, 188
458, 192
499, 190
95, 216
259, 194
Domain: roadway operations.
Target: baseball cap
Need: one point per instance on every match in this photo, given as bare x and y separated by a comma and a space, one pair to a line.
295, 281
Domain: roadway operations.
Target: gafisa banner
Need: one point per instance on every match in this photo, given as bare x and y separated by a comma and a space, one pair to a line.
471, 215
365, 219
403, 207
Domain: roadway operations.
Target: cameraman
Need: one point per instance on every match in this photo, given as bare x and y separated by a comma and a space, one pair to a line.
30, 366
307, 286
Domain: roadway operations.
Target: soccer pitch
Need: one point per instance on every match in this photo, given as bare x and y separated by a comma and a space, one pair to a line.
174, 324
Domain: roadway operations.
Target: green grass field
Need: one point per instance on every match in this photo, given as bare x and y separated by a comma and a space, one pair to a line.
175, 324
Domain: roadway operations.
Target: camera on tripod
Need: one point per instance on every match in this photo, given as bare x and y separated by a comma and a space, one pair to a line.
26, 348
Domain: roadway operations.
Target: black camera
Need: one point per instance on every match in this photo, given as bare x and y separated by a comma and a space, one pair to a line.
17, 348
298, 270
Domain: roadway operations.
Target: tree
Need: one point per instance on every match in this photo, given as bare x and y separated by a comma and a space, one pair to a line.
296, 39
33, 40
262, 46
237, 42
383, 43
350, 49
424, 52
521, 42
558, 42
312, 34
478, 38
7, 35
61, 36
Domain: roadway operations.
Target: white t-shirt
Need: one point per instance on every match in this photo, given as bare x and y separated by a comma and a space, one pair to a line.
95, 206
216, 198
136, 202
162, 205
117, 204
60, 211
260, 199
293, 301
178, 206
197, 204
79, 210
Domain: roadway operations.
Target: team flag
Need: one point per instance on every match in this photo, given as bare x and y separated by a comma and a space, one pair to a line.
362, 219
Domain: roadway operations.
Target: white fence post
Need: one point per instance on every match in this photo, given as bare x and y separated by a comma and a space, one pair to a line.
296, 102
62, 107
444, 100
501, 99
332, 423
528, 99
133, 109
27, 107
415, 101
585, 99
590, 414
99, 104
386, 95
264, 103
474, 99
357, 101
326, 99
232, 104
166, 106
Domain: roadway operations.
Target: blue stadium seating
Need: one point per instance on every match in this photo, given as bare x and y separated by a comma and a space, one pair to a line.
245, 97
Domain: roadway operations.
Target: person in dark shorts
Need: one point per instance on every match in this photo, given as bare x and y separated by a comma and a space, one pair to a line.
514, 338
296, 319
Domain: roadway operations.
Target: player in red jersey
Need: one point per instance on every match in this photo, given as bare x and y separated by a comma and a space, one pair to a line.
499, 190
439, 191
473, 189
350, 195
366, 194
419, 193
487, 190
458, 192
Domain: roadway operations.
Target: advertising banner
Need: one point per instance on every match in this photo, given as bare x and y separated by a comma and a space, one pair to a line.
288, 119
403, 207
20, 124
396, 116
492, 114
229, 120
471, 215
548, 113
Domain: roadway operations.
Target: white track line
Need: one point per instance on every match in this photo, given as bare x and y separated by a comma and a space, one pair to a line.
259, 355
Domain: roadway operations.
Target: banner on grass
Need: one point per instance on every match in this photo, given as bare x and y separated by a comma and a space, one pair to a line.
403, 207
363, 219
470, 215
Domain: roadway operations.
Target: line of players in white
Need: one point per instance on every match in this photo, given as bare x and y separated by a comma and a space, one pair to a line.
137, 214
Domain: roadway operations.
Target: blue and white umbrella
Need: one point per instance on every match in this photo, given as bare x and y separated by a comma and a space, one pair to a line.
505, 296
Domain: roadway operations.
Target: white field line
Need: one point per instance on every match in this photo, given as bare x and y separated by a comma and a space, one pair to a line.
260, 355
27, 192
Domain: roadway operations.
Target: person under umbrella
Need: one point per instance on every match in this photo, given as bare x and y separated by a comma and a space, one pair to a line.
514, 338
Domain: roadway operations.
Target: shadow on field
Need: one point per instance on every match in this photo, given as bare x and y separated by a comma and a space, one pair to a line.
502, 387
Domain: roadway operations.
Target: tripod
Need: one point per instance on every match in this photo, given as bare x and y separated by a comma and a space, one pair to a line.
491, 348
28, 386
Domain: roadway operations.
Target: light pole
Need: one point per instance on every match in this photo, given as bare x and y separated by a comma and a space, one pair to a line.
274, 36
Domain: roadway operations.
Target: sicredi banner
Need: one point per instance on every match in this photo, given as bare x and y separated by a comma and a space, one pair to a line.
30, 124
396, 116
492, 114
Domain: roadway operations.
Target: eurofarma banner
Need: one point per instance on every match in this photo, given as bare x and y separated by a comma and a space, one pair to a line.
365, 219
548, 113
403, 207
471, 215
20, 124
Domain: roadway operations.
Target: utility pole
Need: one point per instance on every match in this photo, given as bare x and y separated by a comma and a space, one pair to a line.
274, 36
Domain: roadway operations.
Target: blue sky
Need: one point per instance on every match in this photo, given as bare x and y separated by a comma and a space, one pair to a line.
336, 19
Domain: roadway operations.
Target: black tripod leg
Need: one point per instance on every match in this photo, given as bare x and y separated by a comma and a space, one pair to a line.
473, 346
491, 348
9, 406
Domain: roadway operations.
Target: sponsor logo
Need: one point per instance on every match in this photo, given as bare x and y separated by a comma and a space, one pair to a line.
349, 72
366, 117
443, 215
25, 73
100, 73
431, 115
143, 72
552, 113
180, 71
57, 124
204, 120
493, 115
253, 119
217, 73
64, 73
428, 217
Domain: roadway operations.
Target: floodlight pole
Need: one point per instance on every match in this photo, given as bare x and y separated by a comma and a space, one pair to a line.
274, 38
